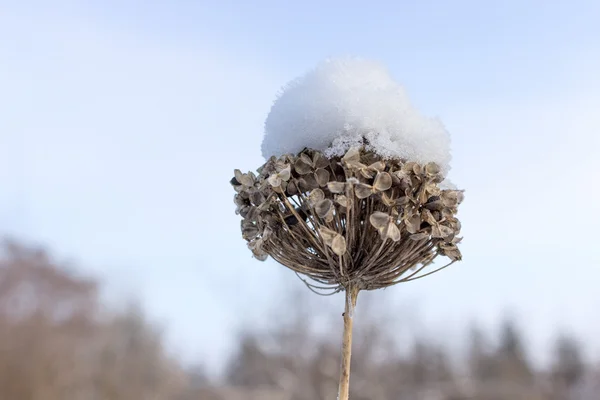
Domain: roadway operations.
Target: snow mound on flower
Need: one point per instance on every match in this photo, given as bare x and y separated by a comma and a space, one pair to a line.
341, 103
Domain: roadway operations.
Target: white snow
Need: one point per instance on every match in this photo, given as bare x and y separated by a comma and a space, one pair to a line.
342, 101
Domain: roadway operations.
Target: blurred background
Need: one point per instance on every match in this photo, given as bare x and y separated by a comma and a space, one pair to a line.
123, 274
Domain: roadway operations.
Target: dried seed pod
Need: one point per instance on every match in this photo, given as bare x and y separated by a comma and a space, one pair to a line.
315, 166
363, 190
434, 203
307, 183
316, 196
334, 240
277, 179
324, 207
386, 225
336, 187
432, 169
341, 200
413, 223
286, 207
249, 230
450, 251
383, 181
420, 236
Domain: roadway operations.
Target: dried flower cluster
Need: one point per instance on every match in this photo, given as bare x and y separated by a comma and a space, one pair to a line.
357, 220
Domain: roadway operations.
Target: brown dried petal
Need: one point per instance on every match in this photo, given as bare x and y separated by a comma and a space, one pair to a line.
456, 225
329, 216
257, 198
352, 155
441, 231
341, 200
302, 167
379, 219
292, 188
387, 200
432, 169
336, 187
383, 181
377, 166
252, 214
428, 217
322, 177
286, 173
409, 167
338, 245
315, 196
308, 183
451, 251
417, 169
243, 211
413, 223
249, 230
275, 180
257, 250
435, 205
238, 175
239, 200
327, 235
403, 178
419, 236
446, 230
401, 201
320, 161
248, 179
451, 198
393, 232
363, 190
323, 207
366, 171
306, 159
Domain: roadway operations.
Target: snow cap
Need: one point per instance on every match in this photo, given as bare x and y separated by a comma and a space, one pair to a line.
351, 102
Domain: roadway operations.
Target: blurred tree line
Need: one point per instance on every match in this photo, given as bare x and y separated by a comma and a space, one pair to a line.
58, 342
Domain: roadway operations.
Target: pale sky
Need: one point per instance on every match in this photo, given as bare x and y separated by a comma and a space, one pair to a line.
121, 123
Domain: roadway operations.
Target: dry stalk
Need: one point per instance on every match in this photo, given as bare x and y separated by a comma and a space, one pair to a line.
351, 297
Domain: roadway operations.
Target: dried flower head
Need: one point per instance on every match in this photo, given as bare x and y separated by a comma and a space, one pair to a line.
357, 220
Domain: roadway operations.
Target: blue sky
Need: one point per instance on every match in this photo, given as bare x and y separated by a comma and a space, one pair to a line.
121, 122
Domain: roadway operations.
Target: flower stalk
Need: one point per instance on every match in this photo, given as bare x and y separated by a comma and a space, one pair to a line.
344, 388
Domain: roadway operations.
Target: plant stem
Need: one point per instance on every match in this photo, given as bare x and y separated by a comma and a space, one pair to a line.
351, 296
